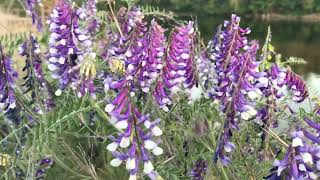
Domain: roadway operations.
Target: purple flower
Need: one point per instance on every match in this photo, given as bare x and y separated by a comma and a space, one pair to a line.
179, 68
236, 72
92, 22
32, 7
8, 77
297, 86
137, 136
272, 86
43, 166
34, 79
301, 160
71, 59
199, 170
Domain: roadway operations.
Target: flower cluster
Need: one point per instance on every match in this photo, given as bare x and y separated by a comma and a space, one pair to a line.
32, 7
205, 68
297, 86
237, 70
34, 79
302, 158
199, 170
179, 66
272, 86
67, 59
43, 166
8, 77
136, 137
92, 23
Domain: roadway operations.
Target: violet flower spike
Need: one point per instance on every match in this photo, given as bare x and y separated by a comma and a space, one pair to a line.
8, 77
236, 69
135, 128
179, 69
69, 64
34, 79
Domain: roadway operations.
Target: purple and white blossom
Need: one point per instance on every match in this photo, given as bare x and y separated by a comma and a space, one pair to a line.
297, 86
43, 166
34, 79
8, 77
70, 50
236, 72
137, 138
179, 68
302, 158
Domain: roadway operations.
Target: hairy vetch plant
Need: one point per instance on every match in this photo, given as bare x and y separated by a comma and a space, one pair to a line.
8, 78
236, 70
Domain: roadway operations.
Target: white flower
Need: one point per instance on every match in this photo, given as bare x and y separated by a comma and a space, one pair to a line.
156, 131
109, 108
185, 56
115, 162
112, 146
297, 142
307, 157
62, 60
148, 144
131, 163
121, 124
157, 151
125, 142
58, 92
133, 177
195, 93
147, 124
148, 167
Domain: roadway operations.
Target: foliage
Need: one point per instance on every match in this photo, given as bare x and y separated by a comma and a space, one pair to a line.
107, 89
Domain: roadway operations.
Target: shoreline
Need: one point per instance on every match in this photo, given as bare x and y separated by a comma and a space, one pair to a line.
309, 18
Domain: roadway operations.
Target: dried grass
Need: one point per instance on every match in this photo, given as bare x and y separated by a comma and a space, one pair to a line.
12, 24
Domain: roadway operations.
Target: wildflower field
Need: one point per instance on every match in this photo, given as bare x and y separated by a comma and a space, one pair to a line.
111, 90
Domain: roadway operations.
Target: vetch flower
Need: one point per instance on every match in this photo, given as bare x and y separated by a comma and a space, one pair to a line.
179, 68
34, 79
8, 77
236, 71
199, 170
137, 138
297, 86
32, 7
301, 160
70, 49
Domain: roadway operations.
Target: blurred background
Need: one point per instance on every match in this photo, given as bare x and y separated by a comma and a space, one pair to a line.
295, 24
